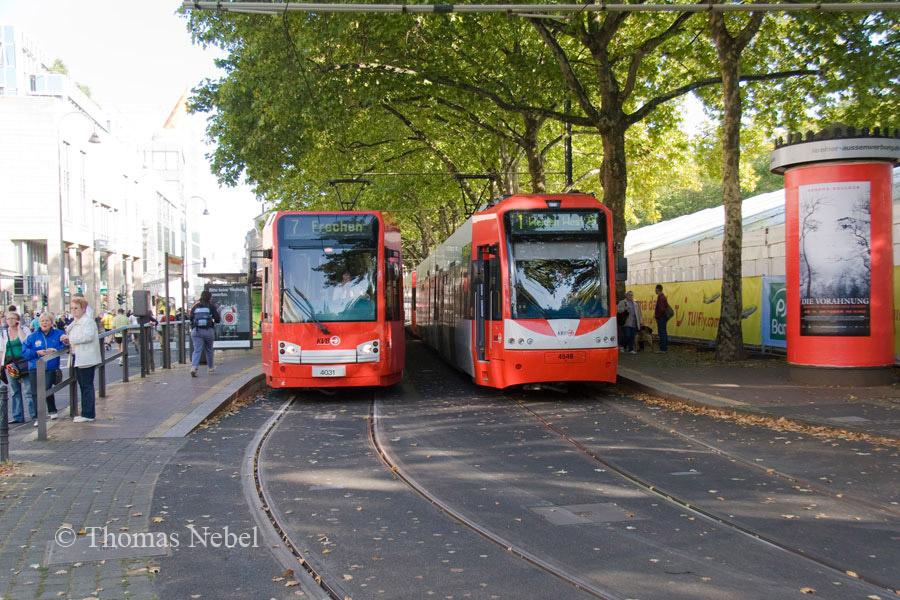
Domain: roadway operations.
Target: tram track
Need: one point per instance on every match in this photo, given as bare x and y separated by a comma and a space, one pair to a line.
793, 479
393, 464
684, 504
272, 523
319, 583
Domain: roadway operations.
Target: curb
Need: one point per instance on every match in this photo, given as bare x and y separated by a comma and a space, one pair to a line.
215, 404
679, 394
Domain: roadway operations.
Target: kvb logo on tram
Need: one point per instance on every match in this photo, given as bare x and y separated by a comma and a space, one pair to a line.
334, 340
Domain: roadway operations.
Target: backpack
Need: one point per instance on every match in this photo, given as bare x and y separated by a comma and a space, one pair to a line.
202, 316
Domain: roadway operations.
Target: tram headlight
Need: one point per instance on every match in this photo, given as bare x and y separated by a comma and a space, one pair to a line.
368, 351
288, 353
512, 341
530, 341
521, 341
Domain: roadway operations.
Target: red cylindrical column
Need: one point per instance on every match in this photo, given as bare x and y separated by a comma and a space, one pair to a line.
839, 255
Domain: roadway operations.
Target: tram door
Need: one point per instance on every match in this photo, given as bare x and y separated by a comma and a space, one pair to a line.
486, 276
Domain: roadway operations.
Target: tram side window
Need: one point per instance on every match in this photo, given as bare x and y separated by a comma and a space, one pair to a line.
496, 290
267, 296
392, 277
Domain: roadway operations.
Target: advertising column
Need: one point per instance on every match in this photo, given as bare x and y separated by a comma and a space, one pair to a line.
839, 261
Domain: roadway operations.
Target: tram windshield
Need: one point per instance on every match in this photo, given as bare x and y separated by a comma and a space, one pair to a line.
327, 268
558, 264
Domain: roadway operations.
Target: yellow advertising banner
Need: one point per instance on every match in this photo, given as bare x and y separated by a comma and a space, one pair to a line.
697, 306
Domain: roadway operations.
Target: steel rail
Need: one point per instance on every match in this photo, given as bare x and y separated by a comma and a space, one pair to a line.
392, 463
841, 496
661, 493
265, 513
529, 10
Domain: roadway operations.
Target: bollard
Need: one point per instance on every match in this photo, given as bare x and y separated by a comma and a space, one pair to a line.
73, 394
166, 346
4, 424
102, 370
181, 358
41, 399
124, 357
142, 355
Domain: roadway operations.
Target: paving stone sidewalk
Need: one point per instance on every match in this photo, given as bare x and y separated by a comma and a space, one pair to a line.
61, 495
762, 386
73, 486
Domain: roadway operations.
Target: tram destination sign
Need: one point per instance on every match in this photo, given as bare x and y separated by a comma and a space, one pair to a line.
328, 227
553, 222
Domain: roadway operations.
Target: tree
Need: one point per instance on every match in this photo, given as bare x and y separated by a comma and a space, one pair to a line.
729, 338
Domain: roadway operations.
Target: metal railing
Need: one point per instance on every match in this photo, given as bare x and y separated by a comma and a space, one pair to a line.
145, 345
143, 336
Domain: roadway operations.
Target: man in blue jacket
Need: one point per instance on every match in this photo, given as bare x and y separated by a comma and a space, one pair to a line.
44, 340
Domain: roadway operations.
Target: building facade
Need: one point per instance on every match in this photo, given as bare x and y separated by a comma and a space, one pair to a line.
85, 211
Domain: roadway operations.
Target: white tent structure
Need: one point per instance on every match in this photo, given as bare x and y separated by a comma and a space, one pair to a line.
689, 248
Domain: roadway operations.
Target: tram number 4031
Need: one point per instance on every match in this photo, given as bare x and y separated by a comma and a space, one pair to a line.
564, 357
329, 371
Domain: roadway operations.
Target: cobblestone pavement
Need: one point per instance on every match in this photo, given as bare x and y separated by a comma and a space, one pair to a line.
78, 485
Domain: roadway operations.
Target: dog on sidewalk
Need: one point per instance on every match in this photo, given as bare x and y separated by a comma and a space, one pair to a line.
644, 339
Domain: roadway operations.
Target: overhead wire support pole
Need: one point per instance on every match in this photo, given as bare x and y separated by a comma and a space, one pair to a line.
535, 9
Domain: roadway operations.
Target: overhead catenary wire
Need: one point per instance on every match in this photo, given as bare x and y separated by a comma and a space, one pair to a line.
531, 10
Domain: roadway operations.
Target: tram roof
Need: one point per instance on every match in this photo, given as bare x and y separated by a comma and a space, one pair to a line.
764, 210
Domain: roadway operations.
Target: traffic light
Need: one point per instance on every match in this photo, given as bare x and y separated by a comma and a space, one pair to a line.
44, 299
120, 297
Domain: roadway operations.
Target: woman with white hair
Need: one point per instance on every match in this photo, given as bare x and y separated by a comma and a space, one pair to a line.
45, 340
83, 338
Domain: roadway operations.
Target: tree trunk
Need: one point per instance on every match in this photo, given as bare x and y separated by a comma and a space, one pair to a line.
730, 339
614, 179
533, 155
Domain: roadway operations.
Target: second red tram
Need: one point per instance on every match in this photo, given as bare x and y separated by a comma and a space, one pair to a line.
522, 293
332, 311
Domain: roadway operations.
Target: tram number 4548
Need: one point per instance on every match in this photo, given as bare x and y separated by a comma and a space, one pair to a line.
564, 357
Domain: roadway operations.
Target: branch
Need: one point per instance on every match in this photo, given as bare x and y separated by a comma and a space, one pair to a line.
444, 158
571, 79
466, 87
647, 108
649, 46
516, 139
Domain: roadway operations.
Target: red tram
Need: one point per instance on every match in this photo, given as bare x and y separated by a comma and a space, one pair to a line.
332, 313
522, 293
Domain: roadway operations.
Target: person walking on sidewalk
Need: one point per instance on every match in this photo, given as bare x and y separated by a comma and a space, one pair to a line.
12, 339
121, 320
632, 322
661, 314
83, 337
46, 340
203, 316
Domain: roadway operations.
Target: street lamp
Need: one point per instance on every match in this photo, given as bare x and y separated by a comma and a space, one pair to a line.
94, 139
187, 233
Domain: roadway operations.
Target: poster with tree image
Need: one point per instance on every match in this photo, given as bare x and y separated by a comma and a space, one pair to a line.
835, 259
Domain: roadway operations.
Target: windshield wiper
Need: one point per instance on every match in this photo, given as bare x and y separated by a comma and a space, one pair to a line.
310, 311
